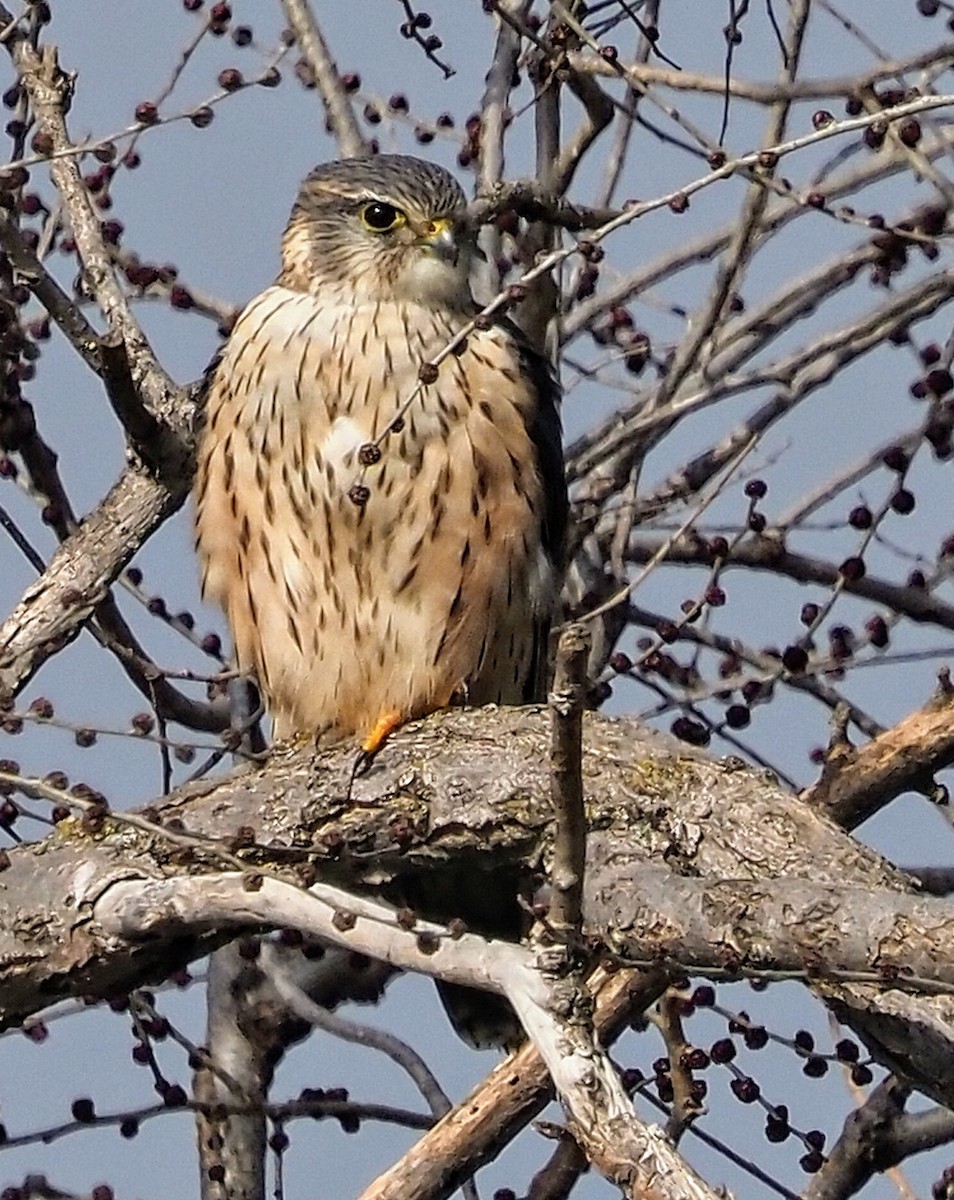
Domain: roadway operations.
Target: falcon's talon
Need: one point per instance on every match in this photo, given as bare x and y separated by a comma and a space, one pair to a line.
384, 726
362, 764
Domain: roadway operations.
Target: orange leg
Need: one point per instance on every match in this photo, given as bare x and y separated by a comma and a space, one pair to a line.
383, 727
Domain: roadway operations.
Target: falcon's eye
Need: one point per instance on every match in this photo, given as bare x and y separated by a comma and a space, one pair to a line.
380, 217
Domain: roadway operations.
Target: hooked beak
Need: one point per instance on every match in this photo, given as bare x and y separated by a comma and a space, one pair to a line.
439, 238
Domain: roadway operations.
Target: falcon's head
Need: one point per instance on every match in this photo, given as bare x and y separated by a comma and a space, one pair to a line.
380, 229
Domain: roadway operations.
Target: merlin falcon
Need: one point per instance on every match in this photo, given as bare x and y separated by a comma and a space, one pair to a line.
382, 546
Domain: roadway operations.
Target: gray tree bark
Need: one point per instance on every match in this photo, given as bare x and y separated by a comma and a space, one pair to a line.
699, 861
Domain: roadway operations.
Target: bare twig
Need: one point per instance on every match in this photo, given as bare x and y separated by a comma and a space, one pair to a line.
350, 1031
690, 352
770, 554
768, 93
54, 608
569, 847
686, 1105
511, 1096
494, 120
231, 1144
876, 1137
557, 1178
341, 116
156, 398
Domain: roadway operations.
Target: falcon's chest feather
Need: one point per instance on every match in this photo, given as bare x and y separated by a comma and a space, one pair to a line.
439, 579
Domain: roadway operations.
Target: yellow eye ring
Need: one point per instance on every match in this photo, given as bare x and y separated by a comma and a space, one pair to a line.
380, 217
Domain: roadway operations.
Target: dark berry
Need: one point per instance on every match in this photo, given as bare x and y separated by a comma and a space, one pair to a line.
847, 1051
212, 644
909, 131
691, 731
715, 596
83, 1110
860, 517
809, 614
853, 569
795, 659
895, 458
230, 79
775, 1130
755, 1037
877, 631
174, 1096
722, 1051
812, 1162
745, 1089
181, 298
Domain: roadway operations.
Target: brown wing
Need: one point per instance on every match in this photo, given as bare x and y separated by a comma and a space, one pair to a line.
546, 434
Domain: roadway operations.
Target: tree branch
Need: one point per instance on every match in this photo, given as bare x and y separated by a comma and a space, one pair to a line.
473, 781
154, 402
54, 608
859, 781
341, 117
569, 842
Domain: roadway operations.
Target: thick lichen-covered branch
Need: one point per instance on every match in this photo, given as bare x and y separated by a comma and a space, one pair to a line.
470, 787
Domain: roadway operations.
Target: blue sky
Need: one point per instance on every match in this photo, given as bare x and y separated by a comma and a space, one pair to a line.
213, 202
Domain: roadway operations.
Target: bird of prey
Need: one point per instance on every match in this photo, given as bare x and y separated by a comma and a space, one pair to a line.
385, 540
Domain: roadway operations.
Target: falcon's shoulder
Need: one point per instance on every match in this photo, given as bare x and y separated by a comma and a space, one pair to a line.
546, 438
200, 393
